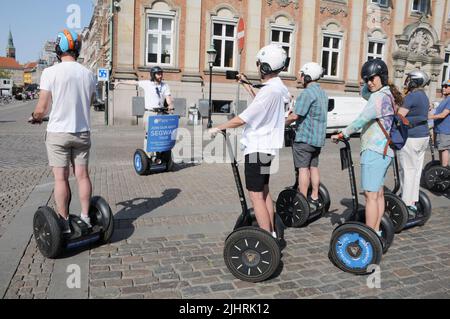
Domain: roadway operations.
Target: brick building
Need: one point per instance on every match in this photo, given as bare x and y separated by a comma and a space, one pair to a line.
339, 34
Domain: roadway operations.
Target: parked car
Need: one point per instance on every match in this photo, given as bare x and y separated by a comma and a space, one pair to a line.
342, 111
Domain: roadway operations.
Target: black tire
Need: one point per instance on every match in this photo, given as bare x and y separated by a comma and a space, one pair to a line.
424, 208
354, 247
386, 227
47, 232
252, 254
141, 163
396, 210
167, 158
437, 178
388, 233
430, 165
293, 208
101, 215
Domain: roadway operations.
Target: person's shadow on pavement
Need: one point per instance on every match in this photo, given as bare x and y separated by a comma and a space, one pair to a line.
134, 209
339, 219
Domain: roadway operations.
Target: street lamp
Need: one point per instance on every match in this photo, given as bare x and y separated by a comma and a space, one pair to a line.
212, 53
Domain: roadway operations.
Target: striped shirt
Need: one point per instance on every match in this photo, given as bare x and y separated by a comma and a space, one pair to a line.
312, 108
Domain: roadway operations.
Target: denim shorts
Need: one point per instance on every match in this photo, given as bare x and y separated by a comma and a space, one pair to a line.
373, 170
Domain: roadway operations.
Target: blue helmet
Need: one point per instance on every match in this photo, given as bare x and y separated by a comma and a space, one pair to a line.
68, 41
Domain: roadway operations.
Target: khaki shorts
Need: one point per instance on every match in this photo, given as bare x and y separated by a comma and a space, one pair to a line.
64, 149
443, 142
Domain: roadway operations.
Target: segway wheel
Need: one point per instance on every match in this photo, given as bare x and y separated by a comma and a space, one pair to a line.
101, 215
141, 163
252, 254
386, 227
168, 158
293, 208
47, 232
396, 210
424, 208
437, 179
354, 247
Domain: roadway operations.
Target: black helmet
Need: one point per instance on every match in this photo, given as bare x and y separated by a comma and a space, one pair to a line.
154, 71
375, 67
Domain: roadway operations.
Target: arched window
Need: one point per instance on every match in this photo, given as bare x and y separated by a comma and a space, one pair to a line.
332, 46
282, 32
160, 35
376, 45
223, 36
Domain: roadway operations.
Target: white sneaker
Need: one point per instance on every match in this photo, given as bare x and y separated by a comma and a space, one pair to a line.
86, 220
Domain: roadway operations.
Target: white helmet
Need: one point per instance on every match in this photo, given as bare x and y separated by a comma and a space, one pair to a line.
417, 79
312, 71
272, 59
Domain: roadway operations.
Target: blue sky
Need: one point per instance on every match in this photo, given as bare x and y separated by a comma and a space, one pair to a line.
34, 22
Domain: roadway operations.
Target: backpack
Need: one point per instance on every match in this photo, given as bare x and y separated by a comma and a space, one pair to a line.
399, 132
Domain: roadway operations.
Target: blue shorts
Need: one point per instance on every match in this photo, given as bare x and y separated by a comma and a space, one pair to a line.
373, 170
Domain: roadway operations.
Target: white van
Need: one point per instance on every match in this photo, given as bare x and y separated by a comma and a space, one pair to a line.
342, 111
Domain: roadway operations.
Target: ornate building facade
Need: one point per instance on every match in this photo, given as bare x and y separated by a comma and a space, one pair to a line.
339, 34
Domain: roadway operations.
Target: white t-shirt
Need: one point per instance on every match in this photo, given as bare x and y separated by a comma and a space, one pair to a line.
72, 87
264, 118
155, 94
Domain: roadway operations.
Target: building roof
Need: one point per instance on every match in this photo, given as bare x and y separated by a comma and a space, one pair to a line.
9, 63
30, 65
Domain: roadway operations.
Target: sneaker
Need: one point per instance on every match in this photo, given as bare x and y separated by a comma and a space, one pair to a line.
65, 226
412, 212
86, 220
314, 204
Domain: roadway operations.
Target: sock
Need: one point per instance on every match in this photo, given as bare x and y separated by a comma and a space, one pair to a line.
274, 234
379, 233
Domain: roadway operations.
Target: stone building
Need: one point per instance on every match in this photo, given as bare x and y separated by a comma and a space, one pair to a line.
339, 34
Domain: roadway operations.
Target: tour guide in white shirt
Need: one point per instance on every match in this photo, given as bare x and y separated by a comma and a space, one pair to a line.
263, 135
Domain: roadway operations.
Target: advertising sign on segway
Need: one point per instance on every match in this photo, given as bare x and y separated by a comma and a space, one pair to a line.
160, 132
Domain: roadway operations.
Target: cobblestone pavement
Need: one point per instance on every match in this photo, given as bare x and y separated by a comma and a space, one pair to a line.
170, 231
23, 161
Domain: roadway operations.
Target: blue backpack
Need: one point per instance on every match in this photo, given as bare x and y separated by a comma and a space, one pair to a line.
399, 132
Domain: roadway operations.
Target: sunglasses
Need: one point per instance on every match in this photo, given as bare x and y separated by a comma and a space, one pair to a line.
369, 79
445, 86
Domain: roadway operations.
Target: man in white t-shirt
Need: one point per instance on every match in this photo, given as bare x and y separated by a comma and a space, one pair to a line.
69, 87
156, 93
263, 134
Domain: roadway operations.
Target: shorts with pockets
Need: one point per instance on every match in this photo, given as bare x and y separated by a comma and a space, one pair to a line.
64, 149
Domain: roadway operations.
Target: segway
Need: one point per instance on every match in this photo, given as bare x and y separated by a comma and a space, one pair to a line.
435, 177
251, 254
292, 206
398, 212
354, 246
159, 142
52, 242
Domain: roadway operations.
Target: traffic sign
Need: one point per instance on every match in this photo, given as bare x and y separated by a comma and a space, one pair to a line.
103, 75
241, 34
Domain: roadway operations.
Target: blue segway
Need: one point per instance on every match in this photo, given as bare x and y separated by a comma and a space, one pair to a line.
158, 157
354, 246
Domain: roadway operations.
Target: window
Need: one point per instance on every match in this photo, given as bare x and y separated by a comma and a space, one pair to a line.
224, 39
446, 71
283, 37
381, 3
420, 6
160, 34
331, 50
375, 50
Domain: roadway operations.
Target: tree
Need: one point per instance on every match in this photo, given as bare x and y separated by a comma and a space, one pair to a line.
5, 74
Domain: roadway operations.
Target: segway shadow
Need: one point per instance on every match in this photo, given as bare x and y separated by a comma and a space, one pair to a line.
250, 253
